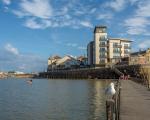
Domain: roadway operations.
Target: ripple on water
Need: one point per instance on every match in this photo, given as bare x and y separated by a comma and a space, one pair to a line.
52, 100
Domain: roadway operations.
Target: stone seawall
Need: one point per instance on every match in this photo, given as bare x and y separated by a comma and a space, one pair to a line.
99, 73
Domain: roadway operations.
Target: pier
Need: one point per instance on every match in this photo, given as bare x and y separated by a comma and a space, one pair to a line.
135, 101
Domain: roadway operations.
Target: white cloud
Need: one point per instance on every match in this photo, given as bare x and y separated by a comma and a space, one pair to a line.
39, 14
7, 2
20, 14
71, 44
34, 24
144, 44
11, 49
11, 59
136, 31
136, 22
139, 23
143, 9
81, 48
133, 1
93, 10
36, 8
117, 5
105, 16
86, 24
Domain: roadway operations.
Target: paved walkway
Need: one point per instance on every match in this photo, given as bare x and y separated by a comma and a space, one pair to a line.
135, 101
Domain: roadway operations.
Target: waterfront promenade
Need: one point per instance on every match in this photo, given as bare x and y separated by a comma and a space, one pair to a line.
135, 101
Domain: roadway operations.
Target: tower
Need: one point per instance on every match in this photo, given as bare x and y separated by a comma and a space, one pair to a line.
100, 45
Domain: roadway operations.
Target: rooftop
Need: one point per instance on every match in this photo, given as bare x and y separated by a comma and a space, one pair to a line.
139, 52
122, 39
99, 27
55, 57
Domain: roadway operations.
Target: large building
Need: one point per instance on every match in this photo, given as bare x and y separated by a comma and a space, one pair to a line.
103, 50
118, 48
100, 45
90, 52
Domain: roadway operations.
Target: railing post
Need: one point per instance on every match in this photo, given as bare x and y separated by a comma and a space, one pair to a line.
113, 104
110, 104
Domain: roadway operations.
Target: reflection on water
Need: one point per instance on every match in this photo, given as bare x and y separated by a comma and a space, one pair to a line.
52, 100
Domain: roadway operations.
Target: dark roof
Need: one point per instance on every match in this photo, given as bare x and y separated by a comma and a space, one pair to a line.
100, 26
81, 58
55, 57
139, 53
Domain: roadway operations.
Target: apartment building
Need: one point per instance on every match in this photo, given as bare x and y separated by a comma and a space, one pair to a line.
118, 48
107, 50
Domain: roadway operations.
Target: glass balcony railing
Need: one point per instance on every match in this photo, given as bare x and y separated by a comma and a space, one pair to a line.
127, 47
102, 39
103, 45
126, 52
116, 51
116, 56
117, 46
103, 51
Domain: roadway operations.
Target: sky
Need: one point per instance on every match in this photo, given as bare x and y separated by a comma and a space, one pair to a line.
33, 30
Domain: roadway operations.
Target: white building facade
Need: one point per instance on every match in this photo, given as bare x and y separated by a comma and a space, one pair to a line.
107, 50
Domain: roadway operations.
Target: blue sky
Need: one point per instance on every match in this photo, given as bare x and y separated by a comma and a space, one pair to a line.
33, 30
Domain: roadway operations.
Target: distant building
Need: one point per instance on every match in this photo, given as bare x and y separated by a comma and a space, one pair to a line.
141, 57
63, 63
147, 56
82, 60
103, 50
52, 61
90, 52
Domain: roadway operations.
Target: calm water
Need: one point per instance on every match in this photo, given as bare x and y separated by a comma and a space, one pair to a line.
52, 100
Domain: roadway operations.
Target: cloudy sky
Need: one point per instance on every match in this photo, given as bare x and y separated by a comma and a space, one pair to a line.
33, 30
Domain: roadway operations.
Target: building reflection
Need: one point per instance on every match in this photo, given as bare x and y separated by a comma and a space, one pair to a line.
97, 100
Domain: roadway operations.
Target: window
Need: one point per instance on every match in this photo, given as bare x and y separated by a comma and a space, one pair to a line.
126, 51
126, 46
103, 55
103, 38
102, 49
102, 60
116, 45
102, 43
116, 50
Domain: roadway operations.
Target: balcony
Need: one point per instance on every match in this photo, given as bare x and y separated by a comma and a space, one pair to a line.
103, 52
102, 39
103, 56
126, 52
103, 45
116, 51
127, 47
116, 57
117, 46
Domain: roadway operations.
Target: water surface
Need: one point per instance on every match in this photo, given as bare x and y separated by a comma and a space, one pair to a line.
52, 99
